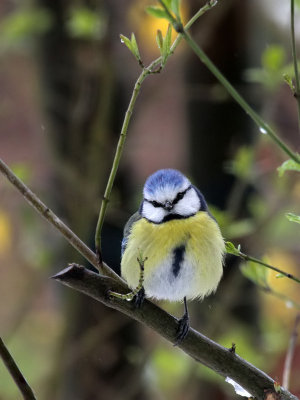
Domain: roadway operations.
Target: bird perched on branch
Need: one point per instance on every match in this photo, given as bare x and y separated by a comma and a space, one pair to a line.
180, 239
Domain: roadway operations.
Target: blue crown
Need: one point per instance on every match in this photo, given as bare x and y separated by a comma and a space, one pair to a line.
162, 178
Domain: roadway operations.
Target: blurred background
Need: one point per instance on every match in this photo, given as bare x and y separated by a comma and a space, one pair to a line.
65, 83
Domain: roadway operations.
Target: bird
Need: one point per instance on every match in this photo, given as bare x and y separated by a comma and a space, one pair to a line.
181, 241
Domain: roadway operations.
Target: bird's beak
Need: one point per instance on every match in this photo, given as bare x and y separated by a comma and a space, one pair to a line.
168, 206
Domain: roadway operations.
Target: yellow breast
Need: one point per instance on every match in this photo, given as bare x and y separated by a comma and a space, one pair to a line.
201, 268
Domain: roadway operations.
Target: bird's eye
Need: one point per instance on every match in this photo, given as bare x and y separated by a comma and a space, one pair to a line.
180, 196
155, 204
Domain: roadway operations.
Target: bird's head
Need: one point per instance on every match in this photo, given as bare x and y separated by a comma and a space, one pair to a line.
168, 194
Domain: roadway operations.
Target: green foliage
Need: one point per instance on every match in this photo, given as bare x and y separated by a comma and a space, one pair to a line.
288, 80
158, 12
274, 69
24, 24
239, 228
85, 23
170, 367
257, 273
273, 58
242, 164
288, 165
175, 7
293, 217
166, 45
231, 249
132, 45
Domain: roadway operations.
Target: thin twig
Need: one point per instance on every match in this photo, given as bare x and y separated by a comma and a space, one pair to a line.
196, 345
262, 125
49, 215
294, 54
289, 355
260, 262
146, 71
15, 372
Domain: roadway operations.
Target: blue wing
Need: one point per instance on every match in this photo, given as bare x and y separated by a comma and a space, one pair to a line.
127, 229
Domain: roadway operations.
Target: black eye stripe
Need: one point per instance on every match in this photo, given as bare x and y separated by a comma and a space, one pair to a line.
179, 196
155, 204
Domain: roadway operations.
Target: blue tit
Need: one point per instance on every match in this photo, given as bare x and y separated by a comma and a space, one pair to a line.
181, 240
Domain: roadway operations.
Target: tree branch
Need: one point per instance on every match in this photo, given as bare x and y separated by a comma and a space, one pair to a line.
49, 215
196, 345
16, 374
260, 262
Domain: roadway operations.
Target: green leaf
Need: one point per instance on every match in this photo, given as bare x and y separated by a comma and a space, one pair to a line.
175, 7
288, 79
231, 249
273, 58
288, 165
167, 44
293, 217
158, 12
134, 47
127, 43
159, 41
167, 3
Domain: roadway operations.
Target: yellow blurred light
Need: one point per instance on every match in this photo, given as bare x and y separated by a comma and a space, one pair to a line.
5, 233
145, 26
275, 306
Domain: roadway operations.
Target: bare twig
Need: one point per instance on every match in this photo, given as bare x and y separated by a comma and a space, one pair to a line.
231, 249
290, 354
16, 374
199, 347
42, 209
260, 262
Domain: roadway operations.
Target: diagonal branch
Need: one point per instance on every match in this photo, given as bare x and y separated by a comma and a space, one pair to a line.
219, 359
49, 215
16, 374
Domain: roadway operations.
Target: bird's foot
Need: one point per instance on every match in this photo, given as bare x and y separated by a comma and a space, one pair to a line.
139, 298
183, 328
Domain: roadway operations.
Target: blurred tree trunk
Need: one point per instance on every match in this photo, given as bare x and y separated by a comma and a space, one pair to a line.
80, 90
214, 139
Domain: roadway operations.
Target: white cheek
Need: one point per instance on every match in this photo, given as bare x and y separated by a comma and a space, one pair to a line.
155, 214
189, 205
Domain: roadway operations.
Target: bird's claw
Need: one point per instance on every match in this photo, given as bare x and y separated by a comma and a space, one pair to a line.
182, 330
139, 298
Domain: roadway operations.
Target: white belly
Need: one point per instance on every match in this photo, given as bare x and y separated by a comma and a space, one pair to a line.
162, 284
